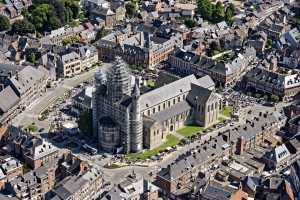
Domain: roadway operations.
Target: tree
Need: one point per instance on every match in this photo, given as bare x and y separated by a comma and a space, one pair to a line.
43, 17
274, 98
130, 9
190, 23
23, 27
205, 8
47, 15
101, 33
85, 123
53, 23
4, 23
218, 12
229, 13
32, 58
75, 9
71, 40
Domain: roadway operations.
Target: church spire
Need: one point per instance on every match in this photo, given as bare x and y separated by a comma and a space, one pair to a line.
136, 91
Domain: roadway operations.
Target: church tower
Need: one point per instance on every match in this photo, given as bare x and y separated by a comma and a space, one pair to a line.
136, 136
118, 81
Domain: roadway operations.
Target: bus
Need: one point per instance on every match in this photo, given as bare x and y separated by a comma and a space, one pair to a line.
90, 149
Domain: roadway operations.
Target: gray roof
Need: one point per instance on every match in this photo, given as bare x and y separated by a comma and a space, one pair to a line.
166, 92
8, 99
68, 187
27, 77
5, 69
68, 57
213, 192
201, 94
172, 111
206, 82
252, 182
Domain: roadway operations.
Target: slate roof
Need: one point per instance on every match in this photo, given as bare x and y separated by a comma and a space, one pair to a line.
166, 92
68, 57
8, 99
27, 77
71, 185
206, 82
216, 193
252, 182
201, 94
5, 69
172, 111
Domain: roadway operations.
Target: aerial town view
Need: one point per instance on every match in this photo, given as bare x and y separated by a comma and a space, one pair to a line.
149, 99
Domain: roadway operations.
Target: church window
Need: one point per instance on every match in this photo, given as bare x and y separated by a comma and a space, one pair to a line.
158, 108
148, 112
174, 101
179, 99
153, 110
169, 103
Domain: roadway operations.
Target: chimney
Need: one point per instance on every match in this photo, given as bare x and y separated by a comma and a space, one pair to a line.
240, 145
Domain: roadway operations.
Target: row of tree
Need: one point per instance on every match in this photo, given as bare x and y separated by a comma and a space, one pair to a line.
43, 15
215, 12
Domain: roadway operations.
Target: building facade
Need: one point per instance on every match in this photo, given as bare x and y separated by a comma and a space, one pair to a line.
224, 72
285, 86
141, 48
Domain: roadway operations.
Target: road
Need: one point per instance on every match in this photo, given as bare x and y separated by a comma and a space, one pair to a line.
32, 112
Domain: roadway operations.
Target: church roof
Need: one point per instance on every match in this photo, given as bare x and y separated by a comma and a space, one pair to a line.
172, 111
166, 92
